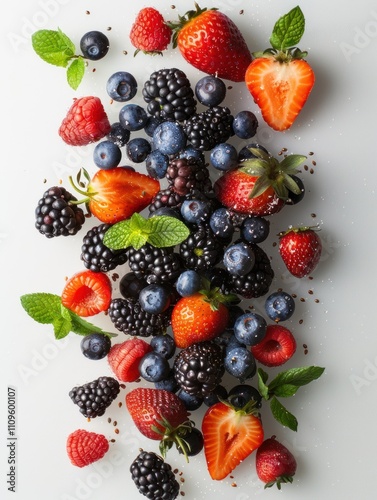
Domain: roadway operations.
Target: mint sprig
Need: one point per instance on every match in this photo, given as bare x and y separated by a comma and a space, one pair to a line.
47, 308
56, 48
285, 385
160, 231
288, 30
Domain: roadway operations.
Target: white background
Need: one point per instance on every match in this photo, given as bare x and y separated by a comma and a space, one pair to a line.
336, 440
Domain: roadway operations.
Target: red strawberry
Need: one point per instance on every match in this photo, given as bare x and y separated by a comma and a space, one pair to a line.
276, 347
87, 293
261, 185
149, 32
114, 195
301, 249
84, 448
275, 464
86, 122
279, 79
124, 358
211, 42
199, 317
156, 412
230, 436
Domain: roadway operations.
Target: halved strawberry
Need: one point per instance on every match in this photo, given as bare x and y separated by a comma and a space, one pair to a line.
87, 293
84, 448
114, 195
124, 358
230, 436
277, 346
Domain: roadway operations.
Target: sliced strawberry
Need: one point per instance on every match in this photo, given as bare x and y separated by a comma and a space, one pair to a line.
87, 293
277, 346
84, 448
149, 32
124, 358
275, 464
230, 436
85, 122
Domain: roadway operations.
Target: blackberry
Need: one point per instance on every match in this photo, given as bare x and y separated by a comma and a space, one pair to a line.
211, 127
94, 397
166, 198
128, 317
97, 256
57, 215
153, 477
199, 368
185, 174
169, 95
257, 282
156, 265
201, 250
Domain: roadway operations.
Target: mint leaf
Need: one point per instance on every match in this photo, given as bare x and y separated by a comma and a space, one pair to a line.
42, 307
54, 47
160, 231
75, 72
296, 376
288, 30
285, 391
262, 384
83, 327
282, 415
62, 327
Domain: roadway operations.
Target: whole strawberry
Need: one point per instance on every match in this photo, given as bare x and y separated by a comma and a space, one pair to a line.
84, 448
301, 249
275, 464
149, 32
85, 122
211, 42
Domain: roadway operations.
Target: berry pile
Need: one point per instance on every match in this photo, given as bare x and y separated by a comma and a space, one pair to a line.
187, 241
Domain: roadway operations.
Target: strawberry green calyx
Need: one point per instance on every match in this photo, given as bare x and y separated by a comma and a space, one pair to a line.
183, 20
215, 297
272, 173
298, 229
279, 481
173, 436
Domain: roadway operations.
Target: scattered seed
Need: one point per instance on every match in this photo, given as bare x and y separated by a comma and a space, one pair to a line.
302, 299
87, 12
182, 479
301, 322
311, 171
112, 440
230, 87
120, 404
234, 485
241, 12
316, 301
310, 292
115, 423
125, 52
306, 167
123, 386
313, 215
94, 70
172, 6
109, 28
183, 493
109, 420
116, 431
294, 295
314, 163
310, 153
305, 351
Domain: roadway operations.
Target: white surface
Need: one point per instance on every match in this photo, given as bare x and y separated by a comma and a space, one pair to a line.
335, 443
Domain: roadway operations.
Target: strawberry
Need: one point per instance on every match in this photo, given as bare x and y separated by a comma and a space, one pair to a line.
230, 436
259, 186
84, 448
301, 249
149, 32
211, 42
114, 195
199, 317
87, 293
279, 79
124, 358
277, 346
85, 122
275, 464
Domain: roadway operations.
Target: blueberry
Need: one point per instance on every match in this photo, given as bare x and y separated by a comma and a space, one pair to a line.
245, 124
169, 138
118, 134
194, 441
191, 152
246, 154
293, 197
191, 401
107, 155
95, 346
279, 306
210, 91
130, 286
156, 164
164, 345
152, 123
224, 157
232, 343
153, 367
195, 211
250, 328
138, 149
221, 223
241, 394
255, 229
239, 259
168, 384
154, 299
188, 283
240, 363
235, 311
121, 86
94, 45
133, 117
213, 398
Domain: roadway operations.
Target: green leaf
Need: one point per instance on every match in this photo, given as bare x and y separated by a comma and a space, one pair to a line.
291, 163
166, 231
75, 72
262, 384
54, 47
42, 307
282, 415
288, 30
285, 391
296, 376
83, 327
62, 327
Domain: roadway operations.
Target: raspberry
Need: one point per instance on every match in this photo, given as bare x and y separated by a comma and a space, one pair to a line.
84, 448
124, 358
